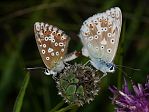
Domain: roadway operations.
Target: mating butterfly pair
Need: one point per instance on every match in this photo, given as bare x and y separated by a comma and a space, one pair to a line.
99, 35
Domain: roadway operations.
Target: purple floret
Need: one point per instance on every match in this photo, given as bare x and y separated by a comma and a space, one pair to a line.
127, 101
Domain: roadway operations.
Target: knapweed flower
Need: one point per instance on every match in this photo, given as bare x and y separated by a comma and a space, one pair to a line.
127, 101
78, 84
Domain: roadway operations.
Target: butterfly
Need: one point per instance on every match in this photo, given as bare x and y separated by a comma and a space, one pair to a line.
100, 37
52, 44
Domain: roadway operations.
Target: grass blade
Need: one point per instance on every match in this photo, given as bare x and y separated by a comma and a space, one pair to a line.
20, 97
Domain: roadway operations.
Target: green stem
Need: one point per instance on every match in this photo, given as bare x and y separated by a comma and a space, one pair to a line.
67, 108
120, 62
57, 106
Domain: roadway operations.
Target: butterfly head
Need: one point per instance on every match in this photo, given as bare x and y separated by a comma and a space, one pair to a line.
110, 67
103, 66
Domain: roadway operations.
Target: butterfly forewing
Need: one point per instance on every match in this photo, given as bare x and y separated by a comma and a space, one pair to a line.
100, 34
52, 43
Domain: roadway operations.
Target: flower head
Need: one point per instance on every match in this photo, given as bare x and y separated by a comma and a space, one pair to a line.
78, 84
136, 101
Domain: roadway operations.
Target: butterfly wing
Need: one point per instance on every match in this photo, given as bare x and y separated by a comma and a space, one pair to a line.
52, 43
100, 34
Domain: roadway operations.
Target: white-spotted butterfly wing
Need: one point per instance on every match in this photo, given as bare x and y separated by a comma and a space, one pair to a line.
52, 44
100, 37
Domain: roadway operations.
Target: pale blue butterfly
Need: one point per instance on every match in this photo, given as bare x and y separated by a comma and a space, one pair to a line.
100, 37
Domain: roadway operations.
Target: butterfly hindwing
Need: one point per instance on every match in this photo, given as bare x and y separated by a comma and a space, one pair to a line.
52, 43
100, 34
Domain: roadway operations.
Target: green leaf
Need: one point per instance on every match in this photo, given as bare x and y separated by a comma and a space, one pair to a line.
20, 97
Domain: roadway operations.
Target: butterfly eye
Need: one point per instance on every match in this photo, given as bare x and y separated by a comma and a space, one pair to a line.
112, 68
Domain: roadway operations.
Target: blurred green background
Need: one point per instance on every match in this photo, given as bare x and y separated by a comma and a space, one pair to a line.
19, 50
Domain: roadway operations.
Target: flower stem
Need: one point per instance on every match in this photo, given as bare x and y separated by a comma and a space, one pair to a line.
67, 108
57, 106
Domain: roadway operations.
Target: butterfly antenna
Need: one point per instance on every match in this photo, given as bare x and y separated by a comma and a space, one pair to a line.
128, 67
35, 68
123, 72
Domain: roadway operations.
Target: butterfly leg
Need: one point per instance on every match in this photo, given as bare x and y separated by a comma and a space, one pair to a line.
103, 76
86, 63
66, 63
